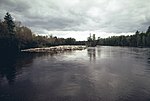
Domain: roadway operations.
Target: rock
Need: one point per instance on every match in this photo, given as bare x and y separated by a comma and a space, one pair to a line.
55, 49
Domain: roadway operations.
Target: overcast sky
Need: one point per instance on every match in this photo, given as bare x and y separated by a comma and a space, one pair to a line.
79, 18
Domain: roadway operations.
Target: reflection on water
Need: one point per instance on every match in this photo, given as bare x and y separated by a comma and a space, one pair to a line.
10, 66
92, 53
13, 65
113, 74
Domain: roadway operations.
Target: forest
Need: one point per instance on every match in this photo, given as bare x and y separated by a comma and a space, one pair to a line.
15, 37
139, 39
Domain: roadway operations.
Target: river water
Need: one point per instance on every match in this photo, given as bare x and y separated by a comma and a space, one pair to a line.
94, 74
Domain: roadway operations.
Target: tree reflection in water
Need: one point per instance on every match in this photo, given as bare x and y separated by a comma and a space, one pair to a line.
10, 66
91, 53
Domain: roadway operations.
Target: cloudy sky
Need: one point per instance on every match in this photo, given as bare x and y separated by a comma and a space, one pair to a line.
79, 18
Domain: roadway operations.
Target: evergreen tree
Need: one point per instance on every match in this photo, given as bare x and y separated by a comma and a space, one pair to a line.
10, 24
94, 37
148, 30
137, 32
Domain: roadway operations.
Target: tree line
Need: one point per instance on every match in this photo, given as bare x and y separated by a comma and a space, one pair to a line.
139, 39
14, 37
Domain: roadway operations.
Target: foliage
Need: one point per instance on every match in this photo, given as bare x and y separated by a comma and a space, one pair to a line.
8, 40
9, 23
91, 41
136, 40
14, 37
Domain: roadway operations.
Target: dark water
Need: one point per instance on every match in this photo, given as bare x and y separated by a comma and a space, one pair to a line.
96, 74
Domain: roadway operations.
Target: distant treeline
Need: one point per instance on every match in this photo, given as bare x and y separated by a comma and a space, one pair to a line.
14, 37
136, 40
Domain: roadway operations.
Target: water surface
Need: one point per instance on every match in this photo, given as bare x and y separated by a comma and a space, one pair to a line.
94, 74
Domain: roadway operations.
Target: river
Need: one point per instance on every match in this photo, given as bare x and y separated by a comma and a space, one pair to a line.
95, 74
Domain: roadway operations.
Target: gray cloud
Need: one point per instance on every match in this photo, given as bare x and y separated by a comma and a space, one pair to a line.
110, 16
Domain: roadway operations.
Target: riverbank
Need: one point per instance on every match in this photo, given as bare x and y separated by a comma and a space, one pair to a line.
55, 49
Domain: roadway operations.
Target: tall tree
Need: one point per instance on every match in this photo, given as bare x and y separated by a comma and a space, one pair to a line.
148, 30
10, 24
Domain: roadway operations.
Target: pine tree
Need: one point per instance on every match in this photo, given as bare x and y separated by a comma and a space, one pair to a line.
148, 30
10, 24
148, 36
